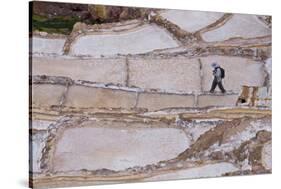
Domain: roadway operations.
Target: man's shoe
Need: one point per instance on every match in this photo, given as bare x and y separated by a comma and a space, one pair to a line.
211, 91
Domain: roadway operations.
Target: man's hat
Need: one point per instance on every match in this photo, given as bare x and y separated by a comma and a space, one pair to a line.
214, 65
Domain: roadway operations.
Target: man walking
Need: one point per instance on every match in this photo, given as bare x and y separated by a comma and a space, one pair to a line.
218, 73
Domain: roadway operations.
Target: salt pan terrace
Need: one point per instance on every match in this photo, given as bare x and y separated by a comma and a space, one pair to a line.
129, 101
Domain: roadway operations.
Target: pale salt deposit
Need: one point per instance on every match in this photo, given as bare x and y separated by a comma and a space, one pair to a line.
236, 140
145, 39
47, 46
41, 124
266, 155
38, 144
240, 25
189, 20
116, 148
210, 170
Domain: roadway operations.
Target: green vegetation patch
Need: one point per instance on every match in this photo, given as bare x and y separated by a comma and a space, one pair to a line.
58, 24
